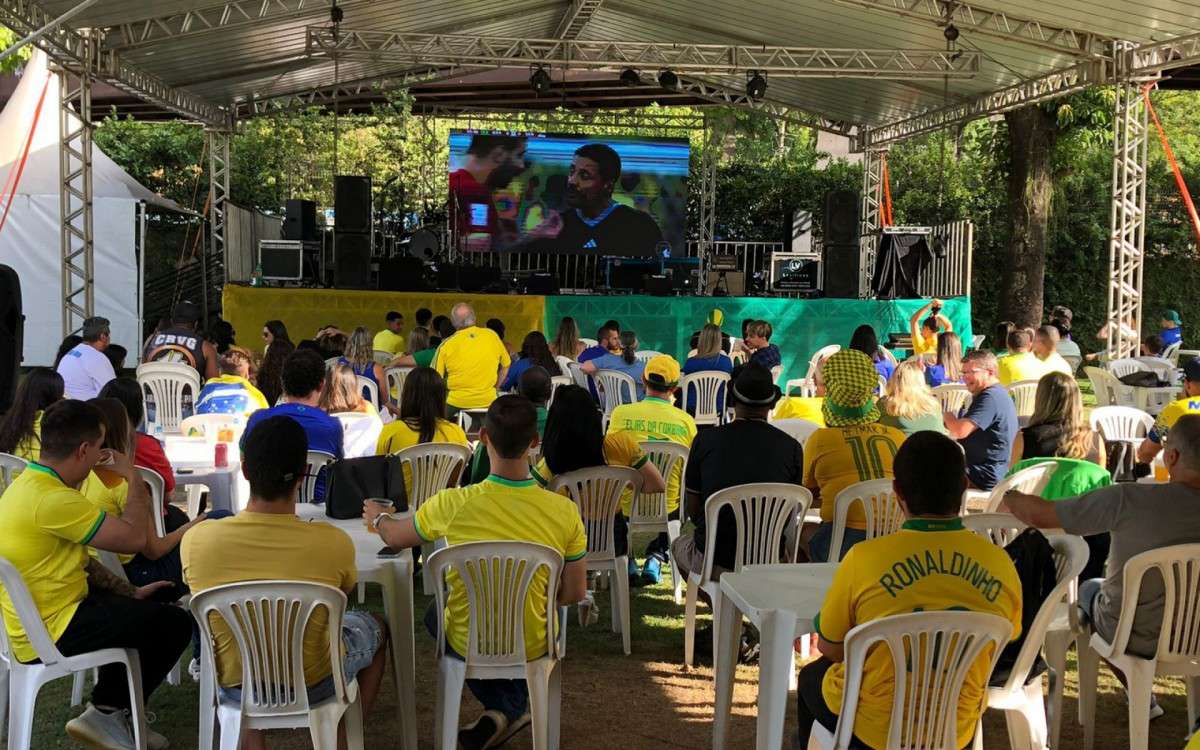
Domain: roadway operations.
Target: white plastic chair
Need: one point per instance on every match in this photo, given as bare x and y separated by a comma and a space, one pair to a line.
1123, 425
564, 363
10, 467
649, 510
21, 683
317, 461
360, 433
433, 467
1023, 393
1030, 480
395, 381
1178, 651
1172, 353
1125, 366
578, 376
588, 342
763, 512
999, 528
332, 362
273, 689
470, 420
166, 383
369, 390
816, 358
1102, 385
157, 486
645, 355
615, 388
704, 389
382, 357
204, 424
800, 429
776, 372
880, 507
597, 491
954, 397
496, 578
932, 653
807, 386
556, 382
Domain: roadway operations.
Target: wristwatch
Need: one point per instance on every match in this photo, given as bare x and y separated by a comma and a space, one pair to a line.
378, 518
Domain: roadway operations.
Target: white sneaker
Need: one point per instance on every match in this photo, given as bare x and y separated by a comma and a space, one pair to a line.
97, 730
194, 670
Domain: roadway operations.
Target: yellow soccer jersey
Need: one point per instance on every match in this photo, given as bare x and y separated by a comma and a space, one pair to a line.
837, 457
470, 361
1171, 414
655, 419
807, 408
927, 565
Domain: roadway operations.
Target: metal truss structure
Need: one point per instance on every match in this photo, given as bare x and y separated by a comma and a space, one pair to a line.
576, 16
714, 143
75, 195
218, 192
718, 94
223, 16
713, 59
664, 123
351, 90
870, 220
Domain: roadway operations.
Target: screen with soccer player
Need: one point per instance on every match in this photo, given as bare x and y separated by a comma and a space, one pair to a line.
553, 193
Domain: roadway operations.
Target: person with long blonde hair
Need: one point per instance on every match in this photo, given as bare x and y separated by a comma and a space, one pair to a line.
1058, 428
710, 355
948, 367
566, 342
360, 355
342, 394
908, 404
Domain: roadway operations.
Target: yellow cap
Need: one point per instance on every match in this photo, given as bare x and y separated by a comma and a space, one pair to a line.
716, 317
662, 371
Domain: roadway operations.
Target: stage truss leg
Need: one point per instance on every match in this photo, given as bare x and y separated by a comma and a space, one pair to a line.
871, 220
714, 141
75, 193
218, 192
1127, 234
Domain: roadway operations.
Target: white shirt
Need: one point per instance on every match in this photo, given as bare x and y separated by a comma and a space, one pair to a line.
85, 371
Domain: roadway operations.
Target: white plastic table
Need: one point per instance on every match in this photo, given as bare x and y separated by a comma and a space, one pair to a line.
395, 577
781, 601
191, 459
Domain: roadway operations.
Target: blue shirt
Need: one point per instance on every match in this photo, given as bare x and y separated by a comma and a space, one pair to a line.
989, 448
612, 361
323, 431
768, 356
935, 375
515, 371
1171, 335
885, 368
720, 363
592, 352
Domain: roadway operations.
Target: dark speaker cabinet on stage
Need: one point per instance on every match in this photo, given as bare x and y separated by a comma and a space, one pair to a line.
300, 221
351, 204
12, 330
352, 260
841, 217
402, 275
841, 270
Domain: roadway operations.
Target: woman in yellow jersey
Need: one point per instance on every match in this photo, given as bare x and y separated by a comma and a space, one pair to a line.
421, 418
924, 329
575, 439
21, 425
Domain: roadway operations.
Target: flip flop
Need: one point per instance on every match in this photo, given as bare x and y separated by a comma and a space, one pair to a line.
510, 731
476, 742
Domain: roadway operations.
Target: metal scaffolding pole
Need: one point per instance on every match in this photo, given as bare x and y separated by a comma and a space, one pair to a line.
1127, 228
218, 192
75, 192
870, 221
714, 141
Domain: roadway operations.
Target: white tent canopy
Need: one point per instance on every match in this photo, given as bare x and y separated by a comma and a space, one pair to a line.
30, 239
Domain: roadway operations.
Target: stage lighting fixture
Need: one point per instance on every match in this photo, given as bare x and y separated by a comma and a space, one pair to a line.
951, 33
630, 78
540, 81
756, 85
668, 80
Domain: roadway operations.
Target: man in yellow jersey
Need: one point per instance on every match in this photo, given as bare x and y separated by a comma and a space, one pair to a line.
507, 506
853, 447
389, 338
932, 563
46, 527
473, 361
1021, 363
1189, 404
656, 418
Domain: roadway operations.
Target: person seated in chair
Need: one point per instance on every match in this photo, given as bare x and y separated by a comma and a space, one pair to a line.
868, 586
231, 392
1189, 404
507, 506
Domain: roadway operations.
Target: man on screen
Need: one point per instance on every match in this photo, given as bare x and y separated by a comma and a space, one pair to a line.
493, 162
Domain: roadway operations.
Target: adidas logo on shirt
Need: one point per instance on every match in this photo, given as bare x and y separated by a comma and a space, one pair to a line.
590, 243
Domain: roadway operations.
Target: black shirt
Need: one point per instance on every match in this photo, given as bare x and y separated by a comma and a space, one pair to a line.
621, 230
740, 452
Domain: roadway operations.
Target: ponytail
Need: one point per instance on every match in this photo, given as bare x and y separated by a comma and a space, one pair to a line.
628, 347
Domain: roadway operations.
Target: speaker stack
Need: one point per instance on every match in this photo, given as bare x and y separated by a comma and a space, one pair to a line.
12, 329
840, 256
352, 232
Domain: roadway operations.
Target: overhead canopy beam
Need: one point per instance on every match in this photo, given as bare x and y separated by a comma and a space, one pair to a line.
972, 19
718, 94
1171, 54
220, 16
575, 17
719, 59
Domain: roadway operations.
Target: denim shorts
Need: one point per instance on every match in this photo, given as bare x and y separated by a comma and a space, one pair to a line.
361, 637
818, 543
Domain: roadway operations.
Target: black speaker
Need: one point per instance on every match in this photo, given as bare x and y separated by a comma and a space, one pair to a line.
541, 283
351, 204
353, 267
402, 275
12, 332
841, 217
841, 270
300, 220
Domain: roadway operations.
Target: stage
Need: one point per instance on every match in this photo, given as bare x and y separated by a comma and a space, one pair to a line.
802, 326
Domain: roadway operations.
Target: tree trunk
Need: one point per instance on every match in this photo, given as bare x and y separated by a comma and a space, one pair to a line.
1032, 133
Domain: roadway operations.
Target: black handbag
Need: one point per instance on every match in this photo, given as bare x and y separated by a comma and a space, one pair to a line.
351, 480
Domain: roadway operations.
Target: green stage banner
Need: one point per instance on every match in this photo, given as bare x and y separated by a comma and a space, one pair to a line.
802, 326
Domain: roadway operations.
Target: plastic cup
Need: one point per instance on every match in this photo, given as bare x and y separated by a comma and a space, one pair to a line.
1160, 472
384, 505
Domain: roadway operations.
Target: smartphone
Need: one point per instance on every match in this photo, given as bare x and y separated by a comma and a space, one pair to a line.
387, 552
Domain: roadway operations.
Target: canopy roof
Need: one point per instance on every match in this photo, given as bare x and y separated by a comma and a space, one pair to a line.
218, 61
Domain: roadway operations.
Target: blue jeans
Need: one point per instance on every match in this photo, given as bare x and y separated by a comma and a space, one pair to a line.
818, 545
509, 697
361, 638
1087, 597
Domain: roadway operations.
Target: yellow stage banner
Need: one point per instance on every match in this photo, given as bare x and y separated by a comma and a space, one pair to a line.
305, 311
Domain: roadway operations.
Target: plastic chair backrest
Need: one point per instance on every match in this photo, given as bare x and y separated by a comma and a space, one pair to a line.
1179, 635
157, 492
360, 433
1074, 360
1101, 386
556, 382
816, 358
496, 578
1000, 528
370, 391
470, 420
267, 620
577, 374
887, 354
954, 397
1172, 352
1030, 481
738, 357
1119, 368
807, 386
762, 513
27, 612
202, 424
1120, 422
10, 467
332, 362
880, 507
651, 507
932, 654
800, 429
588, 342
597, 491
615, 388
645, 355
395, 380
977, 340
317, 460
1023, 393
433, 467
776, 372
167, 383
703, 389
564, 363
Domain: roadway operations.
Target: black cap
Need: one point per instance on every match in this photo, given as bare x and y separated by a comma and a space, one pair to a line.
1191, 370
753, 386
185, 312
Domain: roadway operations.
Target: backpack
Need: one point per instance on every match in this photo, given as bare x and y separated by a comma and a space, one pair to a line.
1143, 379
1033, 558
350, 480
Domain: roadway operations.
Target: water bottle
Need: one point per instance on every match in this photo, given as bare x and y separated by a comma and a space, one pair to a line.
256, 276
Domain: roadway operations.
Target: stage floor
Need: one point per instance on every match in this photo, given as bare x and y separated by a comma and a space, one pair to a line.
663, 324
